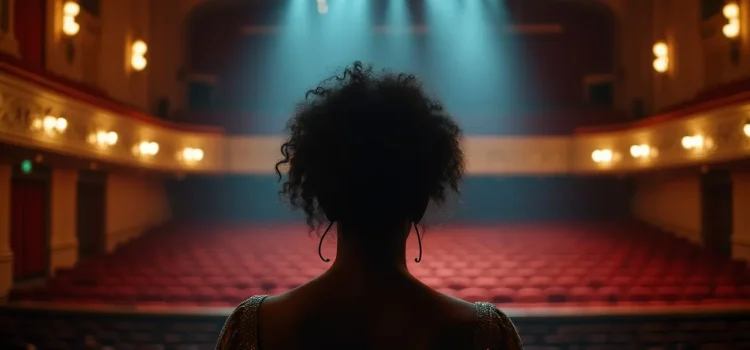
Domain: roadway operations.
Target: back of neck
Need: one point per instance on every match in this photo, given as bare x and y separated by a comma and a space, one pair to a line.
372, 253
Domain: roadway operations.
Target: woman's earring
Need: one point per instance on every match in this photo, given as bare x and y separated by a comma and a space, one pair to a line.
419, 241
320, 244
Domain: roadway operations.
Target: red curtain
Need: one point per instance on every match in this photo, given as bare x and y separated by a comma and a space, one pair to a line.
29, 29
28, 233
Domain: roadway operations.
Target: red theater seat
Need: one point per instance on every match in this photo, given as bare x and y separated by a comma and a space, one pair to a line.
473, 272
534, 264
668, 294
697, 293
568, 281
513, 282
640, 294
486, 282
178, 294
502, 295
205, 295
609, 294
149, 294
445, 272
582, 295
621, 281
530, 295
125, 294
556, 295
474, 294
540, 282
648, 281
699, 281
458, 282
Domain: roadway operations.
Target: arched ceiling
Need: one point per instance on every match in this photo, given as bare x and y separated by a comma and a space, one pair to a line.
221, 8
215, 23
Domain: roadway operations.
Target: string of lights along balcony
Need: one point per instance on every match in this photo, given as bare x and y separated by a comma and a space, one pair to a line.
697, 144
53, 127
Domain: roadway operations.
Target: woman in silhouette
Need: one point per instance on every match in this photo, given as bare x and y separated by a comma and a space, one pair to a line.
367, 152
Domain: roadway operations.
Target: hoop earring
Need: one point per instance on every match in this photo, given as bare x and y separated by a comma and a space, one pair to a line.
320, 244
419, 241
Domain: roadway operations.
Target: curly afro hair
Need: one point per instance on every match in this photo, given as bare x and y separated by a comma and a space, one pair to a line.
369, 147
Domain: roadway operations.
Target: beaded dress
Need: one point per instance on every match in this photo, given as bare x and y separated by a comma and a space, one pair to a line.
495, 331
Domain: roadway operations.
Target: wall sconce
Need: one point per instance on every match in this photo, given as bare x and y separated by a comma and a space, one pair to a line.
146, 148
731, 30
103, 138
50, 124
71, 9
602, 156
731, 12
192, 155
138, 55
70, 27
746, 129
661, 54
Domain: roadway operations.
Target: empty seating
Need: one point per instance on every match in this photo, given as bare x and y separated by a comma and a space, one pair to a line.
523, 264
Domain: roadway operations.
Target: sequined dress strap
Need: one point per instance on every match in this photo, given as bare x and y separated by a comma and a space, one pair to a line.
496, 331
240, 331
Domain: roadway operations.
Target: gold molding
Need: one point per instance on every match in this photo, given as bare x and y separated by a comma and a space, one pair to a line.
21, 102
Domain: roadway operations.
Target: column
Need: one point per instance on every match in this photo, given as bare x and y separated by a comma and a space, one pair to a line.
6, 254
8, 41
741, 224
63, 215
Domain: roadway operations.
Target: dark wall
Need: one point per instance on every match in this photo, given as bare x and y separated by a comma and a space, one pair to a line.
483, 199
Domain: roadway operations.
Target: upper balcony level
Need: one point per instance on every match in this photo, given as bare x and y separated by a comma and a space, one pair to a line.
88, 90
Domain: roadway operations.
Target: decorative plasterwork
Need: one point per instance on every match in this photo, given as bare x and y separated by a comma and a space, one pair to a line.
21, 103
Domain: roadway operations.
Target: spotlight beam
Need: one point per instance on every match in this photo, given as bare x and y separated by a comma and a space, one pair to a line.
521, 29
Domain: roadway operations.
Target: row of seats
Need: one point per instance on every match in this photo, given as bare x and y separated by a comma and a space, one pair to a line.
63, 332
460, 281
507, 264
209, 296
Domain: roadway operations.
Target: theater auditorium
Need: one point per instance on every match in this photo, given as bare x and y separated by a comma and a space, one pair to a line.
606, 202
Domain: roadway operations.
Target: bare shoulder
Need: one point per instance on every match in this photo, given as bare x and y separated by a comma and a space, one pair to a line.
495, 330
460, 310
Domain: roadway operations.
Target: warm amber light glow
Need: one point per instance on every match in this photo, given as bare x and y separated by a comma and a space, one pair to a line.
746, 129
147, 148
692, 142
50, 124
661, 54
71, 9
138, 55
104, 138
192, 154
661, 49
640, 151
602, 156
731, 12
